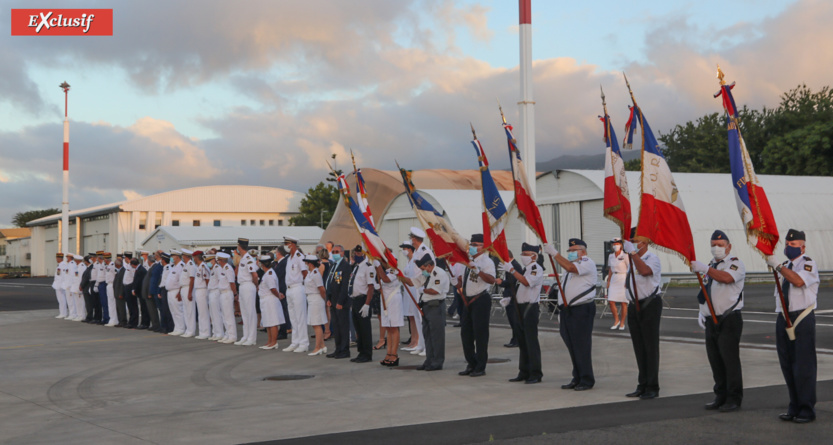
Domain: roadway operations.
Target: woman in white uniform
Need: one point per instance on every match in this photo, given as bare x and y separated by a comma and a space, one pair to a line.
416, 344
271, 312
392, 317
617, 273
316, 307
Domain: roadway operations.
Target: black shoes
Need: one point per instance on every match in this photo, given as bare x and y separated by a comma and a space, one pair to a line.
571, 385
433, 368
533, 381
637, 393
649, 395
786, 417
583, 387
804, 419
360, 360
518, 379
466, 371
420, 368
477, 373
511, 344
715, 404
729, 407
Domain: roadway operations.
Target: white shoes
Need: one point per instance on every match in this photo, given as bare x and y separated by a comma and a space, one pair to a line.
421, 353
200, 337
318, 352
77, 319
60, 316
301, 350
214, 338
621, 327
110, 325
239, 342
290, 348
187, 335
407, 348
176, 333
275, 346
417, 351
248, 343
227, 341
614, 327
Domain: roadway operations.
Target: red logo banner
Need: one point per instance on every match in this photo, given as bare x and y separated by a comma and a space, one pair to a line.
62, 22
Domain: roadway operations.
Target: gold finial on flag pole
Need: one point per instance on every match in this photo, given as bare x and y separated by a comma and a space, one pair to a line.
629, 87
473, 134
720, 75
501, 112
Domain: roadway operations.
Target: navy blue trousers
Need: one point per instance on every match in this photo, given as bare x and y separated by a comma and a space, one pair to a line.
102, 296
576, 328
798, 363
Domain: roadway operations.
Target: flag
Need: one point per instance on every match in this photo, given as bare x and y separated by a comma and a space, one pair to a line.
662, 217
372, 241
447, 243
361, 197
617, 204
753, 206
630, 128
494, 211
524, 201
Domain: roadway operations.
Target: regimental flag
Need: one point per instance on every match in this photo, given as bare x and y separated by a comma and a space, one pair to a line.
617, 203
630, 128
753, 206
662, 218
372, 241
361, 197
494, 211
524, 201
447, 243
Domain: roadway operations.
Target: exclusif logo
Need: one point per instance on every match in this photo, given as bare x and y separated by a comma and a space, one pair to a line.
62, 22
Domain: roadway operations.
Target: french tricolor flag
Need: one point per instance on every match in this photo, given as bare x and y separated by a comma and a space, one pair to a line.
494, 211
372, 241
362, 198
751, 199
617, 203
524, 201
662, 217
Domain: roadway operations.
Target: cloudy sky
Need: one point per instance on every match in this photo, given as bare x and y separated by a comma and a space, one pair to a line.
196, 92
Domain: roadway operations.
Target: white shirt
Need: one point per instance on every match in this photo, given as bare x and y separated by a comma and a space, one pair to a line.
363, 276
269, 281
68, 273
129, 273
312, 281
393, 287
166, 269
456, 272
645, 286
214, 277
98, 273
801, 298
172, 280
438, 281
226, 277
534, 275
724, 296
189, 270
201, 274
110, 272
421, 251
294, 269
57, 280
617, 264
80, 268
245, 268
474, 285
576, 284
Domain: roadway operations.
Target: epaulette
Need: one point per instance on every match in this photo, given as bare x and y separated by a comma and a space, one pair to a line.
733, 259
270, 272
806, 258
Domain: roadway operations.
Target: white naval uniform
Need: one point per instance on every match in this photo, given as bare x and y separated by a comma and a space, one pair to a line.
60, 294
392, 316
316, 306
271, 311
215, 303
645, 286
189, 313
172, 284
69, 275
296, 300
534, 275
725, 297
408, 307
77, 294
801, 298
247, 293
201, 274
109, 277
618, 271
225, 278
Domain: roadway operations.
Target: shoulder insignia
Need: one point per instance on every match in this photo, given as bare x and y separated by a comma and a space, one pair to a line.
808, 267
733, 267
436, 281
733, 259
372, 274
534, 272
434, 273
249, 262
270, 272
806, 258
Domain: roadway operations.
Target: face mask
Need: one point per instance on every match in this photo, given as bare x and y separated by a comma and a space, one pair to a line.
617, 248
572, 256
425, 274
792, 252
358, 259
526, 260
336, 257
472, 250
718, 252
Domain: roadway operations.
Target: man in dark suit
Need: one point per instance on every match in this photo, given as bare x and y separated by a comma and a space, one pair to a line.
336, 284
279, 266
148, 300
138, 280
86, 289
118, 291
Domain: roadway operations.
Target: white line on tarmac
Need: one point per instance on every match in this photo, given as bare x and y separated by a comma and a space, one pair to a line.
27, 285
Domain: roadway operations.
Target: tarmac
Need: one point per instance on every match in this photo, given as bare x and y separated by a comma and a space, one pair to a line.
70, 382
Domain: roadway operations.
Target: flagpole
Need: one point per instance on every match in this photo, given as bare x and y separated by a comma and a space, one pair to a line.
527, 103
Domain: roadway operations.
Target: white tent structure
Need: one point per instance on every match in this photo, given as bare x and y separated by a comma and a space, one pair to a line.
201, 238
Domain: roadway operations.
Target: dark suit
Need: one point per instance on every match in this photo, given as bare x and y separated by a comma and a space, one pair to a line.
89, 301
133, 295
336, 283
280, 269
118, 292
150, 317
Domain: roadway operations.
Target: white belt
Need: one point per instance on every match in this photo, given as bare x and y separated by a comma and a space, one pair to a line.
247, 282
293, 286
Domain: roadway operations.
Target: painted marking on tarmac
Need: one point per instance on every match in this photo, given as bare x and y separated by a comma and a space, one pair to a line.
745, 320
27, 285
10, 285
91, 341
20, 346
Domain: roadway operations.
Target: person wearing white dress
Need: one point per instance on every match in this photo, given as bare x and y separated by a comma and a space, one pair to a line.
316, 302
392, 318
617, 272
271, 311
409, 306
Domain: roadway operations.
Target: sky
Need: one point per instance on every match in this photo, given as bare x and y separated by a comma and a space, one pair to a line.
197, 92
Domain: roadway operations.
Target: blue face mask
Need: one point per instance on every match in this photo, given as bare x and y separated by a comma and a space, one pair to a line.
336, 257
425, 273
792, 252
472, 250
358, 259
572, 256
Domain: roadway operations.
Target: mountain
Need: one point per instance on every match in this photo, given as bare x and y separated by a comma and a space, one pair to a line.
582, 162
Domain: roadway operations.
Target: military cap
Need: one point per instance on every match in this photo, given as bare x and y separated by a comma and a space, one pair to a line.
243, 242
290, 239
425, 260
406, 245
416, 232
719, 235
530, 248
795, 235
577, 242
59, 255
223, 255
477, 238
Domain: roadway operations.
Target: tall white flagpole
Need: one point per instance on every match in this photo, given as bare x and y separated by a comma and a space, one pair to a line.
527, 105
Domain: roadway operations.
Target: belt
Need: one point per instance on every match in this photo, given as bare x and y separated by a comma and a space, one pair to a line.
357, 296
293, 286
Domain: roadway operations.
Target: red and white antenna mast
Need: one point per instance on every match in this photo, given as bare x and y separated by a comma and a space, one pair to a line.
64, 247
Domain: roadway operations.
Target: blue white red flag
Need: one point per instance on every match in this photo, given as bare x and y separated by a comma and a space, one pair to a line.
445, 241
630, 128
361, 197
662, 217
617, 203
753, 205
373, 243
494, 211
524, 201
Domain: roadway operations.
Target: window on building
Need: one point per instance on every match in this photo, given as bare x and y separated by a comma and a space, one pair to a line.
196, 223
242, 222
216, 223
175, 223
158, 222
280, 222
252, 222
142, 225
262, 222
2, 250
271, 222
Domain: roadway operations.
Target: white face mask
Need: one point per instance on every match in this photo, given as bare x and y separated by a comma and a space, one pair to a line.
526, 260
617, 248
718, 252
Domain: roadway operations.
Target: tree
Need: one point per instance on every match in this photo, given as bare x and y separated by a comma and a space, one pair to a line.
21, 218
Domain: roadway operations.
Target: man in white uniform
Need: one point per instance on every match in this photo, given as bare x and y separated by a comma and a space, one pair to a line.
247, 282
173, 284
58, 286
434, 283
527, 313
474, 327
214, 301
296, 298
76, 292
69, 275
228, 290
361, 287
201, 278
186, 293
109, 278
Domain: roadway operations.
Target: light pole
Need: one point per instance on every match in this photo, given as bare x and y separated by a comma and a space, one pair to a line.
64, 246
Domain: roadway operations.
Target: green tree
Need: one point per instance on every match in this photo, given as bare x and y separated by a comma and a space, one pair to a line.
319, 204
634, 165
21, 218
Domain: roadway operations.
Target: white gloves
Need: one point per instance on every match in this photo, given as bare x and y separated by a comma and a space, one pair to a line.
701, 320
772, 262
504, 302
474, 269
550, 250
507, 267
628, 247
364, 311
376, 263
95, 289
699, 267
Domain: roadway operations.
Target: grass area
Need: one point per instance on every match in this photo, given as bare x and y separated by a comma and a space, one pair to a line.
14, 272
